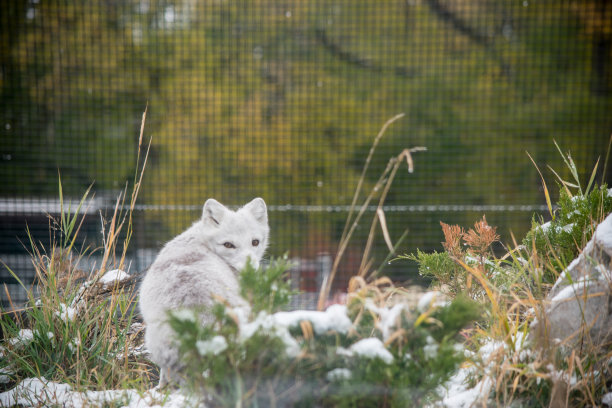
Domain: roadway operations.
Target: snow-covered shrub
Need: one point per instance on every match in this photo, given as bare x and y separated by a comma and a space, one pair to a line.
572, 226
507, 360
365, 353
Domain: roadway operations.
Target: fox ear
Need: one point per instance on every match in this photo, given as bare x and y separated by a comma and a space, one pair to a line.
213, 212
257, 207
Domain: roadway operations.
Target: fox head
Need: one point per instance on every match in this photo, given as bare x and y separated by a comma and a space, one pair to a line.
237, 236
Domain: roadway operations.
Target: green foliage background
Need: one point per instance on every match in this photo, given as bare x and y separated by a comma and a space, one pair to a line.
282, 99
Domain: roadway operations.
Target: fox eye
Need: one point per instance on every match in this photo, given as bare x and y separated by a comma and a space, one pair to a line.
229, 245
255, 242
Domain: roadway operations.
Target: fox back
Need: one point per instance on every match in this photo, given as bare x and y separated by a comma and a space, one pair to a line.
196, 267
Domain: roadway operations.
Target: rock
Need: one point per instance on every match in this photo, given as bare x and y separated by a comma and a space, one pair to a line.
579, 308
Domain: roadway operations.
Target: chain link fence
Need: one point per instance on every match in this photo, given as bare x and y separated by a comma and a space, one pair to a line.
283, 100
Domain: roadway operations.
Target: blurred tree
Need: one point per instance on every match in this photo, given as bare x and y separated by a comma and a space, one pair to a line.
283, 99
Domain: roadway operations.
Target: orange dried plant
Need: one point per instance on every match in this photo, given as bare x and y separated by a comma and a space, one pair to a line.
480, 239
452, 239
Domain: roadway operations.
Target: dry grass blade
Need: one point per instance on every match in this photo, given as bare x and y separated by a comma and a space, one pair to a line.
365, 169
384, 182
120, 219
569, 162
605, 167
356, 283
365, 260
407, 154
566, 184
394, 164
351, 223
483, 282
383, 225
592, 179
307, 330
546, 194
111, 240
137, 184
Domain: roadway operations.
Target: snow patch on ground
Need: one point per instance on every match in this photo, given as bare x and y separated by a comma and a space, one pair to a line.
35, 392
458, 395
25, 336
607, 399
5, 375
114, 276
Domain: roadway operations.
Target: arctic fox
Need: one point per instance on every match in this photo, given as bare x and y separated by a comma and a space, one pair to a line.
201, 263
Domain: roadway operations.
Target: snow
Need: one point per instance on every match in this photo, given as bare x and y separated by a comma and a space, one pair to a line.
431, 300
114, 276
558, 375
603, 237
457, 395
490, 348
267, 323
25, 336
607, 399
5, 373
339, 374
214, 346
388, 317
370, 347
333, 318
34, 392
185, 315
430, 349
565, 275
471, 260
545, 227
604, 274
65, 313
573, 290
74, 344
568, 227
604, 233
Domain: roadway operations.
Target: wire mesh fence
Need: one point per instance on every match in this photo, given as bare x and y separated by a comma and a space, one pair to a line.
283, 100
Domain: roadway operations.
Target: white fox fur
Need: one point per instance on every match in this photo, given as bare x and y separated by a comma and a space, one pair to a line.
201, 263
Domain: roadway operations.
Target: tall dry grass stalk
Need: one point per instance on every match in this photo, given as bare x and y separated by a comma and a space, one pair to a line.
121, 217
356, 211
